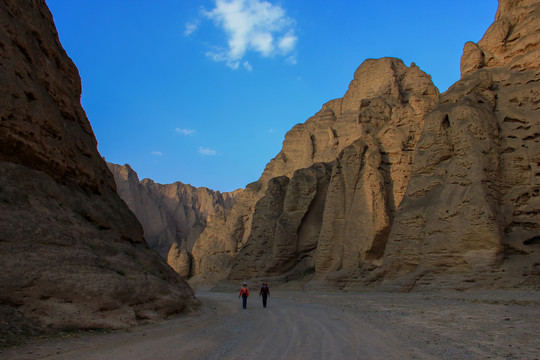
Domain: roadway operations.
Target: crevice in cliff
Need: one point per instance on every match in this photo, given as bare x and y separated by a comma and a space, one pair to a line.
535, 240
446, 122
362, 158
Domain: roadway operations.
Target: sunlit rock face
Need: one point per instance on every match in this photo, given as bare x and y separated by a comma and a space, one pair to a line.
394, 186
72, 253
326, 201
473, 199
172, 215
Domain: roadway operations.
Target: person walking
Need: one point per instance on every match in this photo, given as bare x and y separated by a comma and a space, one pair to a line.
244, 293
265, 293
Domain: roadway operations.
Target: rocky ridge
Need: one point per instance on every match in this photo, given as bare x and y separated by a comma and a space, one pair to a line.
399, 187
172, 215
72, 254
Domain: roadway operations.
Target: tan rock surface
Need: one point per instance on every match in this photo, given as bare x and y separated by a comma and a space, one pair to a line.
215, 249
385, 99
43, 125
180, 260
72, 254
472, 203
512, 41
170, 214
285, 226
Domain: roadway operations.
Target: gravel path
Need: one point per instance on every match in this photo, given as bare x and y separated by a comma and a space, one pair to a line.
298, 325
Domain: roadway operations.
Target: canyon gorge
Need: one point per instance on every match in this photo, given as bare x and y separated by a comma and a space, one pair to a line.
393, 186
396, 186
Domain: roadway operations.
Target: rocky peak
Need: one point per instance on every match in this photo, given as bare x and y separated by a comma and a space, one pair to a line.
512, 41
383, 93
289, 212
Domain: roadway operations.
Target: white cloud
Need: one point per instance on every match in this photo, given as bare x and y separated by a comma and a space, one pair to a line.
287, 43
251, 25
158, 153
187, 132
191, 27
219, 55
206, 151
248, 66
291, 60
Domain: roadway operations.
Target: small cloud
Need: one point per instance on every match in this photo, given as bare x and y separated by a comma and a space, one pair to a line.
157, 153
206, 151
287, 43
187, 132
191, 27
291, 60
271, 131
220, 55
250, 25
248, 66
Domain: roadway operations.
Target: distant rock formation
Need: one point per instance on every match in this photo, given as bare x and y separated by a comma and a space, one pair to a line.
394, 185
72, 254
172, 215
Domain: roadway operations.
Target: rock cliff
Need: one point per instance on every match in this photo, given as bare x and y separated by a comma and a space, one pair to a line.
172, 215
337, 181
72, 254
394, 185
472, 206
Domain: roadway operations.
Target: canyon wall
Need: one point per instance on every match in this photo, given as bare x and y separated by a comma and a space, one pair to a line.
72, 254
172, 215
473, 203
396, 186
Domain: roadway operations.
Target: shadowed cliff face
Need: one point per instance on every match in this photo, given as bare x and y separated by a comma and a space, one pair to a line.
172, 215
72, 253
43, 125
394, 186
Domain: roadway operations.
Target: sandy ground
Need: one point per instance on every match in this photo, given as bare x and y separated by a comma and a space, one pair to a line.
304, 325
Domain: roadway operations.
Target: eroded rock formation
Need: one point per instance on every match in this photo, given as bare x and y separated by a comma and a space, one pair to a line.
395, 186
173, 215
353, 156
72, 254
472, 206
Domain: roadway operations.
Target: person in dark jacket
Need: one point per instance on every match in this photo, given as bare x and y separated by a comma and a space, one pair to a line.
265, 293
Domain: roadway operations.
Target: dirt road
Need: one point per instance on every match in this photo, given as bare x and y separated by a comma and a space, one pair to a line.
298, 325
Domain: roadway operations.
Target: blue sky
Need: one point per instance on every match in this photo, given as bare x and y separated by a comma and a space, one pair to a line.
203, 91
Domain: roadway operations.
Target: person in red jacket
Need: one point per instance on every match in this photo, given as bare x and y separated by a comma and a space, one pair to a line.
244, 293
265, 292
